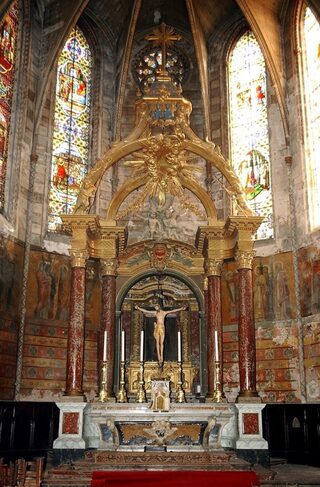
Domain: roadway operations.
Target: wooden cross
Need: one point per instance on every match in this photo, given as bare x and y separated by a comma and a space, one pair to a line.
163, 36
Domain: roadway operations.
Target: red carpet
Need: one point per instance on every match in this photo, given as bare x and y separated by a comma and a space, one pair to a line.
174, 478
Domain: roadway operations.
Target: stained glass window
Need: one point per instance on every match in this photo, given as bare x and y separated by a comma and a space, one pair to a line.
8, 42
311, 72
70, 150
249, 140
147, 63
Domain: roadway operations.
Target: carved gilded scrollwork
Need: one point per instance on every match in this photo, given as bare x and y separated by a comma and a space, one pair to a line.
78, 258
109, 267
170, 372
245, 258
213, 267
163, 158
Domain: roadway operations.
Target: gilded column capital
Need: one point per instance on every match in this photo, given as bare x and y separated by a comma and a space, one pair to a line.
245, 258
205, 283
109, 267
213, 267
78, 258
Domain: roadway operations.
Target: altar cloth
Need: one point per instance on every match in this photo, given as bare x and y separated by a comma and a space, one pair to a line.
174, 478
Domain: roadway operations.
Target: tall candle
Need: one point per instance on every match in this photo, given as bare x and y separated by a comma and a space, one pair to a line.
216, 350
179, 346
122, 345
141, 345
105, 346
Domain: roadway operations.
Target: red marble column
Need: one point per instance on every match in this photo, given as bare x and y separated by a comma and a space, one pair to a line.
108, 318
247, 343
75, 348
214, 322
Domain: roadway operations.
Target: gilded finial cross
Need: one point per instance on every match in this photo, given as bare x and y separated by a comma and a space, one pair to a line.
163, 36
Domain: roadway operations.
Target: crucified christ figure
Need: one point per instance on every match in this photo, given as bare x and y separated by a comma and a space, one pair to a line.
159, 329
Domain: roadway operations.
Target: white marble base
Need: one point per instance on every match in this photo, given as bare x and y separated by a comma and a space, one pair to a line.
70, 426
250, 436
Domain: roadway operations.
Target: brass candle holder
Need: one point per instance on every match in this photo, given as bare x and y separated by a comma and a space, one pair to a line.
103, 395
122, 393
141, 394
180, 394
217, 394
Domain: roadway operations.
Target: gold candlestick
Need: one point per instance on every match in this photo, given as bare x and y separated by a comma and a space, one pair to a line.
103, 395
141, 394
217, 394
180, 395
122, 393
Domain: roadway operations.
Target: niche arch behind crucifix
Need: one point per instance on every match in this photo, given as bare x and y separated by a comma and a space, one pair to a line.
169, 292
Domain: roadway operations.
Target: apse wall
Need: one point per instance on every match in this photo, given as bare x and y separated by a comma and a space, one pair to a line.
45, 322
282, 374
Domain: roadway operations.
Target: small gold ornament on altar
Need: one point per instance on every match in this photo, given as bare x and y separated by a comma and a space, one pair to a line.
122, 393
103, 395
217, 395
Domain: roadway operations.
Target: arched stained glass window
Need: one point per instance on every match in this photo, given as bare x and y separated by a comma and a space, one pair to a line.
8, 42
311, 78
70, 152
249, 140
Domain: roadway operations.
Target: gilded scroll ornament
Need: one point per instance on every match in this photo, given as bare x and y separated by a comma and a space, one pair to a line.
164, 162
213, 267
78, 258
160, 256
245, 259
109, 267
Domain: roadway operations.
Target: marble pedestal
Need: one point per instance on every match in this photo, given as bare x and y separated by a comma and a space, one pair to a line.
250, 444
70, 426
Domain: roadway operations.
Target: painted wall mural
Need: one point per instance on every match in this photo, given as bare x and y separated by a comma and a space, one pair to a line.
309, 271
46, 333
46, 327
11, 258
276, 332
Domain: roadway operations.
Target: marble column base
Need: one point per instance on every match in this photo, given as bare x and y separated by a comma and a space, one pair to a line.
70, 426
250, 427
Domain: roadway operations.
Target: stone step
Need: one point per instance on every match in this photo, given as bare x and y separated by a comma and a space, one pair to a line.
78, 473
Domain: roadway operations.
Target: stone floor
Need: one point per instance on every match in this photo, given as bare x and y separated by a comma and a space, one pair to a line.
285, 475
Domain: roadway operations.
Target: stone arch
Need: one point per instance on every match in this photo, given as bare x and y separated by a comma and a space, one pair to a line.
191, 284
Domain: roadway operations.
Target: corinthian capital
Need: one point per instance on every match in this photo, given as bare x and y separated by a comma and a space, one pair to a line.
245, 258
78, 258
109, 267
213, 267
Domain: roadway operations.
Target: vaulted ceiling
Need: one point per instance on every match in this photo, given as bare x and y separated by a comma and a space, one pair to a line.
119, 22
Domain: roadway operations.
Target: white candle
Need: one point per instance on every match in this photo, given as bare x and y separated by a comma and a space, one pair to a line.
105, 346
216, 350
141, 345
122, 345
179, 346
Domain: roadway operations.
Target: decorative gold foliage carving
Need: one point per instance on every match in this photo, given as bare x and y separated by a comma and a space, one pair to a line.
164, 161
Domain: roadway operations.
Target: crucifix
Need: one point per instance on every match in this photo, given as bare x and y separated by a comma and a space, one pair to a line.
163, 36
